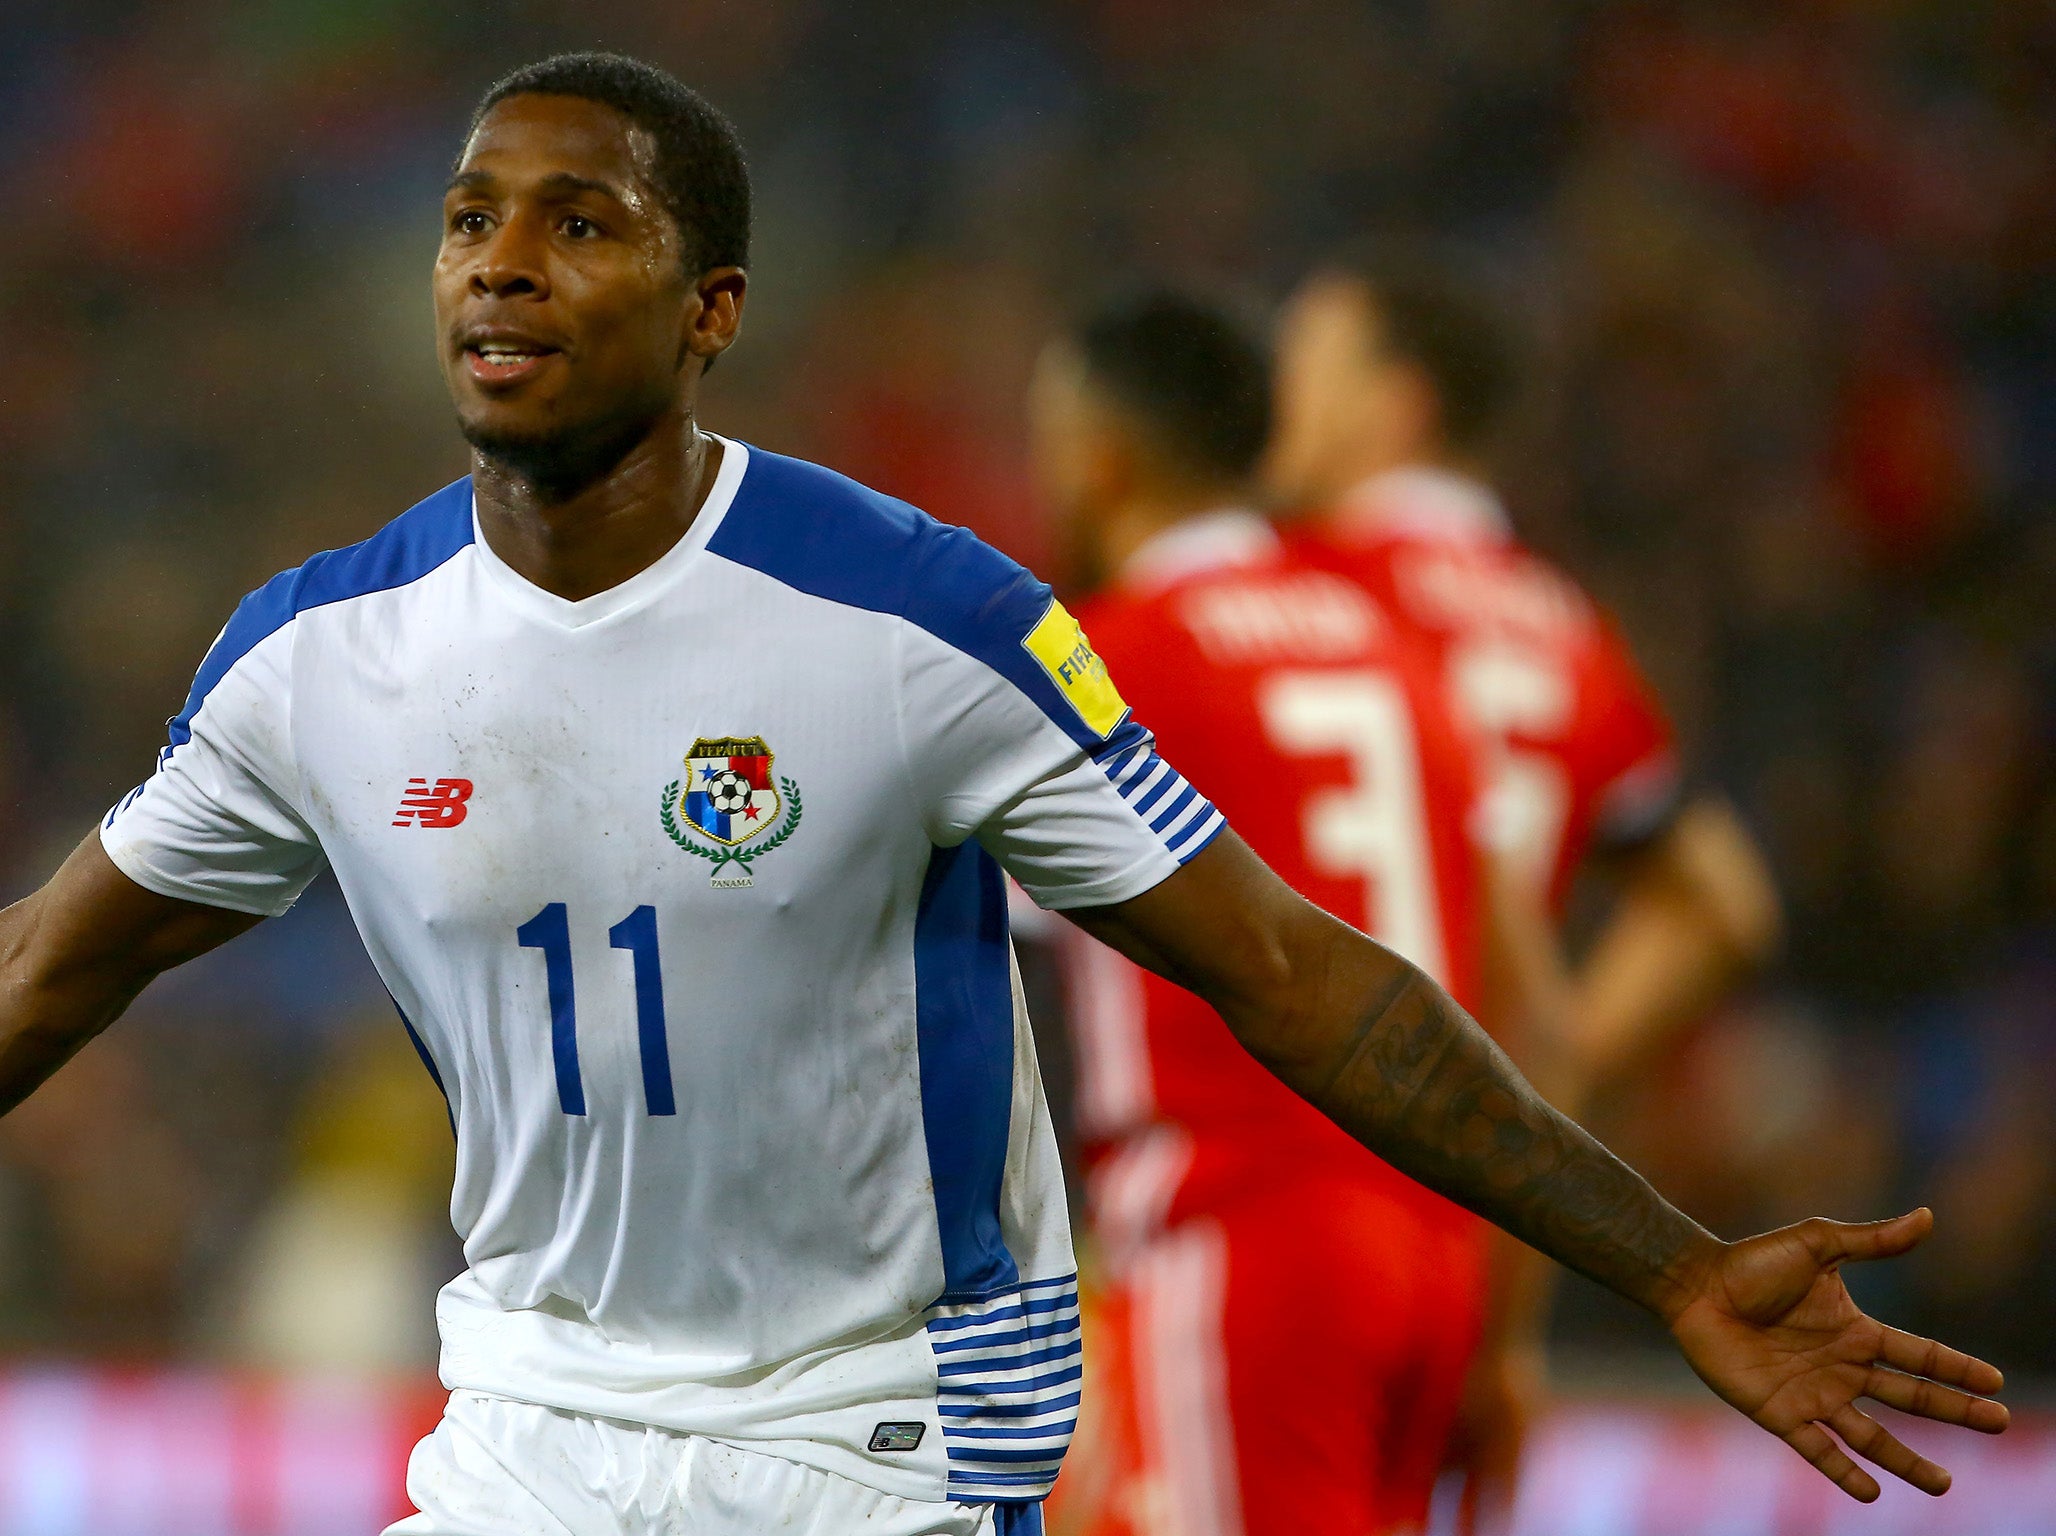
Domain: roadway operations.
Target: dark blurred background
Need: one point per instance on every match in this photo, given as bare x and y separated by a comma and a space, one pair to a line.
1788, 273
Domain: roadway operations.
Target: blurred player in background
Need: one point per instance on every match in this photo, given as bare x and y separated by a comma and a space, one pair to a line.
1300, 1317
1393, 374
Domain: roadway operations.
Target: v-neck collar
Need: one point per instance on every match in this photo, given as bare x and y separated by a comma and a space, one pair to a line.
652, 579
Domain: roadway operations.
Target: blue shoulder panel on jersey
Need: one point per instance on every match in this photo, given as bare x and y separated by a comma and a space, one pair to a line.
405, 550
823, 534
964, 1028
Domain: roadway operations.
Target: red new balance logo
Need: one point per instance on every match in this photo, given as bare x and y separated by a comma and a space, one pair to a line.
437, 805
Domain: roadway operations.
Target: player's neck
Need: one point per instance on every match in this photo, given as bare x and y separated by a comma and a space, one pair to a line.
1351, 476
578, 541
1141, 518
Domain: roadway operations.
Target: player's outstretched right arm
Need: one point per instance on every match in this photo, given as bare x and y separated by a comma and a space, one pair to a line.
75, 954
1384, 1052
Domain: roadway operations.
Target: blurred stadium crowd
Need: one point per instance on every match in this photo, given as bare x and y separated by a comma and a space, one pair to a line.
1788, 269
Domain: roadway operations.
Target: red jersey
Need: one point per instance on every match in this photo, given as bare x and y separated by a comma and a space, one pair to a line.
1583, 755
1319, 729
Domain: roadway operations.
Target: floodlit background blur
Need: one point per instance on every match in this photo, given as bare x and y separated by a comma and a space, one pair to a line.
1790, 274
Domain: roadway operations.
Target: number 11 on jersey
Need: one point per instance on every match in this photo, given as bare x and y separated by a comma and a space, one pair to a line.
550, 931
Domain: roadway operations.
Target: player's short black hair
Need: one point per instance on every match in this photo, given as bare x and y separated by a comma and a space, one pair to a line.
1439, 316
1196, 377
700, 171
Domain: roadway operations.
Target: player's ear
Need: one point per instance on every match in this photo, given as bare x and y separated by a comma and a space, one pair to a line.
1412, 398
1107, 464
712, 314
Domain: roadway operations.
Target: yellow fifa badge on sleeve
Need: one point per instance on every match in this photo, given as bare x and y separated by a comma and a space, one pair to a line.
1068, 657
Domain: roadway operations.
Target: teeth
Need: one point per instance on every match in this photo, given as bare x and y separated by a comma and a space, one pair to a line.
501, 354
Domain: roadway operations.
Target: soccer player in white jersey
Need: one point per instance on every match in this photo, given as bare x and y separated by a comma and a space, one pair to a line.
670, 782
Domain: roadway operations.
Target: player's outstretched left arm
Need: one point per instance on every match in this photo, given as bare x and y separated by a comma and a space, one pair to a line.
74, 954
1383, 1051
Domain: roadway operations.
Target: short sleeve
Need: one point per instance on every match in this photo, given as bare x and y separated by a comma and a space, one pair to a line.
219, 822
1010, 729
1634, 769
1020, 738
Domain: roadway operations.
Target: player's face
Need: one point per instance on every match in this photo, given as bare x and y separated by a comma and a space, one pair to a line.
1068, 457
1344, 411
566, 317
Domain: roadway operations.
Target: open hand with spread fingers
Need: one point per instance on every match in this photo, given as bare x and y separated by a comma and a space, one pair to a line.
1770, 1326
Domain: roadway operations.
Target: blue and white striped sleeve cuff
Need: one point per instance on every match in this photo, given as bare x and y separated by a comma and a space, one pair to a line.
1163, 797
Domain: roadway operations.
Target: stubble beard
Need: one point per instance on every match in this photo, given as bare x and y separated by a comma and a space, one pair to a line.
559, 464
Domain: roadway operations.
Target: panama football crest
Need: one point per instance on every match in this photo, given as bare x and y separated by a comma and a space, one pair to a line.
727, 809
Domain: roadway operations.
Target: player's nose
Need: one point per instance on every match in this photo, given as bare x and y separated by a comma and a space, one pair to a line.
510, 265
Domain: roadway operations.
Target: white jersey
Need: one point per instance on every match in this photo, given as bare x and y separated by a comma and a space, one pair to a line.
690, 895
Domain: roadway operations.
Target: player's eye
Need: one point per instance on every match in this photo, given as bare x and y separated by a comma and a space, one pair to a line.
578, 227
471, 221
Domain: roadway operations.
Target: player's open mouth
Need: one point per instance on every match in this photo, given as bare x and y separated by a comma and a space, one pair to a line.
506, 362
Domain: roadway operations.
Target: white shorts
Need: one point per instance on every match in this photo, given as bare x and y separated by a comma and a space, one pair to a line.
495, 1467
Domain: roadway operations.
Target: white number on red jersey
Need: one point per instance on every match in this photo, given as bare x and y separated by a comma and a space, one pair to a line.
1375, 827
1501, 690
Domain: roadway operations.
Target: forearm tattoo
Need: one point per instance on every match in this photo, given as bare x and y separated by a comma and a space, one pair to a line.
1423, 1086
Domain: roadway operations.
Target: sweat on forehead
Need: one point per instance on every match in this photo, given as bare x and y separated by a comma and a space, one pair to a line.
681, 145
590, 148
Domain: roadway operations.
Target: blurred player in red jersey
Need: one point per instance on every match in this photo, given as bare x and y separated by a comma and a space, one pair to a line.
1392, 373
1299, 1316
